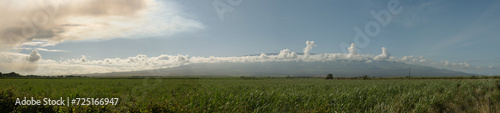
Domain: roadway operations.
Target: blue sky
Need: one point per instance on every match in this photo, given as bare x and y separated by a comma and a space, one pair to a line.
441, 30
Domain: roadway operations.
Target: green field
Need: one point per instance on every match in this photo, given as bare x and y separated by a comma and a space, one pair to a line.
258, 94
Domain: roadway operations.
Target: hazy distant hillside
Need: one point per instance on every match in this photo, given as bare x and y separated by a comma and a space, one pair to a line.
338, 68
299, 53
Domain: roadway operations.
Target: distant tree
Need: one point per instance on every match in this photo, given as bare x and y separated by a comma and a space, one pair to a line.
13, 74
365, 77
329, 76
0, 74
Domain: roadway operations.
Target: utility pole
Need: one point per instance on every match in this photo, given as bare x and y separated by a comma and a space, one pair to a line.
409, 72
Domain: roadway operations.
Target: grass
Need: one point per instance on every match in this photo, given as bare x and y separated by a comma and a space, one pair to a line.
232, 94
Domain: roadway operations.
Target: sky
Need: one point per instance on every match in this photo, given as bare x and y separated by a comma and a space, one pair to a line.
54, 37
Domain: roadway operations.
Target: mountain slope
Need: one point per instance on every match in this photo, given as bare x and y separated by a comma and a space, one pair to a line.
337, 68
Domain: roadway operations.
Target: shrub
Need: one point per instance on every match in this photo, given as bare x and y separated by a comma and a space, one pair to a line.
329, 76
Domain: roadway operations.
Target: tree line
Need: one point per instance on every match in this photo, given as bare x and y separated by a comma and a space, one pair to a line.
14, 74
11, 74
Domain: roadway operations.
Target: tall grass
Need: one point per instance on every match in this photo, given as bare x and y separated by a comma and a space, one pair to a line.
259, 95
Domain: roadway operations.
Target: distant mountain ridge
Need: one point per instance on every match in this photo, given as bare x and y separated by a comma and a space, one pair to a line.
297, 68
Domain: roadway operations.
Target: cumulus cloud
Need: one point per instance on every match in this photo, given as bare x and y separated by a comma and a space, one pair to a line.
285, 53
310, 45
384, 56
34, 56
263, 56
352, 49
406, 58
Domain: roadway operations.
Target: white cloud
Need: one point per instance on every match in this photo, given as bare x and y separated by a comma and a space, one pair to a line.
32, 43
384, 56
310, 45
34, 56
285, 53
55, 50
40, 49
406, 58
352, 49
263, 56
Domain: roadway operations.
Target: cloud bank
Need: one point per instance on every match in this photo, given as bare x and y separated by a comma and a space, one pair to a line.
143, 62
